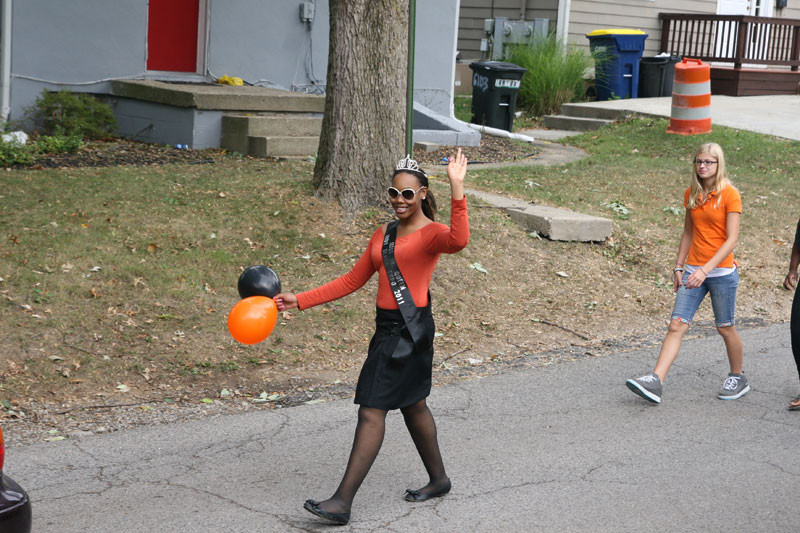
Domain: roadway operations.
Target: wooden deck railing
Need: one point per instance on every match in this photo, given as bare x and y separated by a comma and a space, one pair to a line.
733, 39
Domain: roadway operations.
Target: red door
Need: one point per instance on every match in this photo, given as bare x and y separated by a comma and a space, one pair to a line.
172, 35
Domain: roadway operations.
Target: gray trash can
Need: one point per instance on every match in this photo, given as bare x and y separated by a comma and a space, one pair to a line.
656, 74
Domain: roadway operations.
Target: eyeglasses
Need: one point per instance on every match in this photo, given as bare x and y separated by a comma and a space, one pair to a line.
706, 162
408, 194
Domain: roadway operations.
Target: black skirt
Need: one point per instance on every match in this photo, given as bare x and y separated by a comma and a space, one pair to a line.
388, 382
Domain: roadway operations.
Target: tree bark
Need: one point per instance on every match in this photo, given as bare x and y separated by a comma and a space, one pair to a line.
363, 130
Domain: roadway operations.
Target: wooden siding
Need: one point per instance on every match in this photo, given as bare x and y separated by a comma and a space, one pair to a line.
590, 15
473, 12
585, 16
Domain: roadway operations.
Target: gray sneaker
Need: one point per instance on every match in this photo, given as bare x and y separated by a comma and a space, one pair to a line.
648, 387
734, 387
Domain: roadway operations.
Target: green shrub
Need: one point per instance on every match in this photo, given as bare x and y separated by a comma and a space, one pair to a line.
554, 77
65, 113
14, 153
58, 144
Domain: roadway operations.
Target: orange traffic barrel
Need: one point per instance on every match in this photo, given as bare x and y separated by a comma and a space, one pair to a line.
691, 98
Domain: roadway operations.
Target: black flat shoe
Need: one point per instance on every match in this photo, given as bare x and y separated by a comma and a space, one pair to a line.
337, 518
418, 496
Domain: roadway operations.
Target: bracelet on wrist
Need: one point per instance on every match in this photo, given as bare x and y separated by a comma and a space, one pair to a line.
677, 269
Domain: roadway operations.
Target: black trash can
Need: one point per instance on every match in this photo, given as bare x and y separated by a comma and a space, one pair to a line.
656, 74
495, 85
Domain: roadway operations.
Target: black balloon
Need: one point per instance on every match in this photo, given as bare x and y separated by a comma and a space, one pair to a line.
259, 280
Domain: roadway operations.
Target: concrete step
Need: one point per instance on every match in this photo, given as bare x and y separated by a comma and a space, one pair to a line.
212, 96
589, 111
258, 146
564, 122
552, 222
238, 127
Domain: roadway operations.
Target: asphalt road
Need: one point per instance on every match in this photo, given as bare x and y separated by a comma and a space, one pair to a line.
561, 448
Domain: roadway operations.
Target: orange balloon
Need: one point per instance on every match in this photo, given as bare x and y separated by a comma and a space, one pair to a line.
252, 319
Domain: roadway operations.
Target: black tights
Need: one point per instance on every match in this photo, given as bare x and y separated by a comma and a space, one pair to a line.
367, 443
794, 326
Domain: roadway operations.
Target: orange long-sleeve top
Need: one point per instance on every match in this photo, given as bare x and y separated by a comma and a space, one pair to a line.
416, 254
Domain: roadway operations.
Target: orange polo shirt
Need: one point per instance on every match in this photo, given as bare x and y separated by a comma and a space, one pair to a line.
416, 255
710, 225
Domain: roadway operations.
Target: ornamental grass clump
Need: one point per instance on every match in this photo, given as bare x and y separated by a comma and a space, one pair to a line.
555, 75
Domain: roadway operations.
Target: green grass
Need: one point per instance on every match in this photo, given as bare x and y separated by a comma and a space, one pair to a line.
462, 107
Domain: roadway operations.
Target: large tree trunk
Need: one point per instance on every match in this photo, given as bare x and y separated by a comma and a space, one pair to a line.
363, 131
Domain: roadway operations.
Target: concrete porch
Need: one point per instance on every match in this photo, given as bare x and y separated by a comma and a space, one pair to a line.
251, 120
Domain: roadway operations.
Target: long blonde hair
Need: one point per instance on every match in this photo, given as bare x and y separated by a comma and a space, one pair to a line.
721, 179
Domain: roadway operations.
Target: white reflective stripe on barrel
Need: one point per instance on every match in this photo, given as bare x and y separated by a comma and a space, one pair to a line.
691, 89
691, 113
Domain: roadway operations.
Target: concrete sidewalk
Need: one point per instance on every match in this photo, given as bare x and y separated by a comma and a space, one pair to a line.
773, 115
561, 448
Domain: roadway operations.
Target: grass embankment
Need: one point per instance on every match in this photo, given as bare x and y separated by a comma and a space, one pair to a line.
120, 278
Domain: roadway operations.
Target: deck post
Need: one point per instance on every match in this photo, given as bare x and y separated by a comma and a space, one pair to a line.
741, 44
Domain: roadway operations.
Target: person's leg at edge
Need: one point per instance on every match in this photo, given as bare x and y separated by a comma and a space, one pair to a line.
794, 328
670, 347
366, 445
723, 300
422, 427
733, 345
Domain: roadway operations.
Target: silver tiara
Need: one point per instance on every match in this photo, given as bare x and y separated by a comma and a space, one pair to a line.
408, 164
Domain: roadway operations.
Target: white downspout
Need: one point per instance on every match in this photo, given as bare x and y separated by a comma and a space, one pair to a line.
5, 60
562, 24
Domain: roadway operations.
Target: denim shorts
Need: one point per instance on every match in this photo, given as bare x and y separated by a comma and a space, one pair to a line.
723, 299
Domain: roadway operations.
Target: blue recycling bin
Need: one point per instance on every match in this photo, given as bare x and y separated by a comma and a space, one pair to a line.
617, 54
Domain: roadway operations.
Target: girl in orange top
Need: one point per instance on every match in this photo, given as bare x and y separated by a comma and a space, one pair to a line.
397, 371
705, 265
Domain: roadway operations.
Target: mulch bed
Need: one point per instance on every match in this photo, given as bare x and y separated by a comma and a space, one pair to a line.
127, 152
491, 150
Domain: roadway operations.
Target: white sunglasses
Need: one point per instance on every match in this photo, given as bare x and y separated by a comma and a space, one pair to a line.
408, 194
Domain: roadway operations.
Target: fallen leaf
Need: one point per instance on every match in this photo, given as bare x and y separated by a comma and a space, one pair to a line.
123, 388
151, 248
207, 400
477, 266
562, 274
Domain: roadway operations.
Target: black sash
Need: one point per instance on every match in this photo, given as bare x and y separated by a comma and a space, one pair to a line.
414, 317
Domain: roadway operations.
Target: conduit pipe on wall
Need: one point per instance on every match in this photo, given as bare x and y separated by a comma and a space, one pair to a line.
562, 24
5, 59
